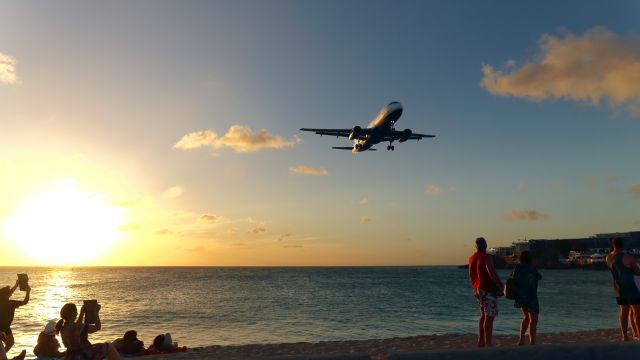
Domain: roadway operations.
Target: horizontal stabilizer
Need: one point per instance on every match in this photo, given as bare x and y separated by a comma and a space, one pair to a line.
348, 148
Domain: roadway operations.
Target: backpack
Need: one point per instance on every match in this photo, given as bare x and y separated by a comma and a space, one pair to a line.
510, 289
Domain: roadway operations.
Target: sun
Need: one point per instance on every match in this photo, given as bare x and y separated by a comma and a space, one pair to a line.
64, 225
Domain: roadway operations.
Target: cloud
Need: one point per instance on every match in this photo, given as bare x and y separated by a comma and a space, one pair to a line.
434, 190
292, 246
8, 70
172, 192
308, 170
365, 220
239, 138
257, 230
364, 200
284, 237
531, 215
635, 191
597, 66
210, 217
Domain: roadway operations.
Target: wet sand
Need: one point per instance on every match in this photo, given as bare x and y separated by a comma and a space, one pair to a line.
595, 344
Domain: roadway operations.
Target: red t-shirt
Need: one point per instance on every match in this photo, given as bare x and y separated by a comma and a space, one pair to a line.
478, 272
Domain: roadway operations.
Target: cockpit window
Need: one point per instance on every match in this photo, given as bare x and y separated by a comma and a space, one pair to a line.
392, 103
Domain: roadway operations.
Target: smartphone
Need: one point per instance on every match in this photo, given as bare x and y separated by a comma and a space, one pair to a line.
23, 281
90, 311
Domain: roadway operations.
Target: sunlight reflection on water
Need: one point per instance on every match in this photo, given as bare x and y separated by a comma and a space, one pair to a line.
206, 306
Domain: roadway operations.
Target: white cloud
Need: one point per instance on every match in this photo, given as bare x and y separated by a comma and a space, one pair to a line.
597, 66
210, 218
172, 192
365, 220
434, 190
308, 170
8, 70
531, 215
239, 138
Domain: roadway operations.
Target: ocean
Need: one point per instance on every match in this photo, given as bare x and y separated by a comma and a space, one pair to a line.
224, 306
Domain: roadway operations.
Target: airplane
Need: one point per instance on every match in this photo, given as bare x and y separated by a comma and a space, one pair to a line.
381, 129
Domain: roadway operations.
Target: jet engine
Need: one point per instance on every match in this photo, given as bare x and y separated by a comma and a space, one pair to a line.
355, 133
406, 134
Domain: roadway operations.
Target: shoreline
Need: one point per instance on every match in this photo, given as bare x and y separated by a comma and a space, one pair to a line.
445, 346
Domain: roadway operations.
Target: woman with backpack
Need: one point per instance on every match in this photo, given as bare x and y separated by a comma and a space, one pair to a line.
526, 278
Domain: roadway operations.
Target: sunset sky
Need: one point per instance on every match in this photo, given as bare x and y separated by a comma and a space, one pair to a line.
166, 132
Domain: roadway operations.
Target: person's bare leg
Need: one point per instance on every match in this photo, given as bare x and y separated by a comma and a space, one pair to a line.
634, 315
533, 328
624, 321
488, 330
112, 353
524, 324
481, 330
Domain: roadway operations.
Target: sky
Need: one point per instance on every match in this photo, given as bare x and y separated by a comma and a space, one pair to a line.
167, 133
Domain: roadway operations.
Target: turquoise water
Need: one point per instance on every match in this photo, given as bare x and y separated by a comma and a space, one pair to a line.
206, 306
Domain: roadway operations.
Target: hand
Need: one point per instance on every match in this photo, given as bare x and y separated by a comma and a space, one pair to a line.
82, 309
28, 288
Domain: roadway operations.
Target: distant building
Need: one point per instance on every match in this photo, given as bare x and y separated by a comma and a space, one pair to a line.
552, 253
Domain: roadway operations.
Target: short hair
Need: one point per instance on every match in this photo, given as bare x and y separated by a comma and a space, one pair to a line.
618, 243
481, 243
525, 257
130, 335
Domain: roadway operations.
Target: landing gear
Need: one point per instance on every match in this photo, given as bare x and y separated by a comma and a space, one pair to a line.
390, 147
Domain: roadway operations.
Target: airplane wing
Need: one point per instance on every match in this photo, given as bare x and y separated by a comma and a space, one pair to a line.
397, 135
335, 132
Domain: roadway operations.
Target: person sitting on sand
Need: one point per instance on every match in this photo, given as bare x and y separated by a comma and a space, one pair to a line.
527, 277
129, 345
7, 311
48, 346
486, 288
623, 267
163, 344
3, 353
74, 333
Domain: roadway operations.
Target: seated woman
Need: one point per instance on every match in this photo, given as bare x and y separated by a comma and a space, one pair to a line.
74, 333
48, 346
129, 345
163, 344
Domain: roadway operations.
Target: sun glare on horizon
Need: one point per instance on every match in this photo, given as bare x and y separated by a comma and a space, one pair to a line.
64, 225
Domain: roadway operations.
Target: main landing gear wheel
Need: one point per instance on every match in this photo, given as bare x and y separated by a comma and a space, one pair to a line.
390, 147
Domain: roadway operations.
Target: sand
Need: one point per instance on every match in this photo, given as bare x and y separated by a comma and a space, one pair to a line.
596, 344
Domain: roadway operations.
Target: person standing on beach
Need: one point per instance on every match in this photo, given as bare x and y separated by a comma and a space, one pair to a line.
527, 277
623, 267
7, 311
486, 288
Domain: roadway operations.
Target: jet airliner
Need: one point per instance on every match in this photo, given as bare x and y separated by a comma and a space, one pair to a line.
381, 129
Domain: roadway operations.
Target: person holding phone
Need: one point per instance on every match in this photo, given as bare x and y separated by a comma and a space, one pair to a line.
75, 335
7, 311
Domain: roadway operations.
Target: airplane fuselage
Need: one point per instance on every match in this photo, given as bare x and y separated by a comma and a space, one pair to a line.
380, 127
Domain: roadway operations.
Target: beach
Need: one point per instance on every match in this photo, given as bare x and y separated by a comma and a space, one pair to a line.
595, 344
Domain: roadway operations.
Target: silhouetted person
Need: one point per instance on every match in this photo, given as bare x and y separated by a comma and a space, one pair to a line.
74, 333
7, 311
527, 277
48, 346
486, 288
129, 344
623, 266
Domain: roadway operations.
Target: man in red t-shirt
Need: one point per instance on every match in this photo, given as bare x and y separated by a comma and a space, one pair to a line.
486, 288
